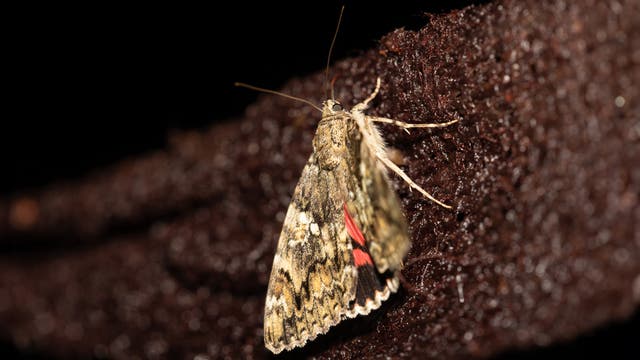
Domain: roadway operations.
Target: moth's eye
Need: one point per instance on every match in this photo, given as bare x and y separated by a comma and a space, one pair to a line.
336, 107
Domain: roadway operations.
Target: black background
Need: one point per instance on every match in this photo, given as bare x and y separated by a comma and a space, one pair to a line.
85, 87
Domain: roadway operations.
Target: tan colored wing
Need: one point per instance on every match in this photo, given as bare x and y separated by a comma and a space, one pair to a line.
379, 212
315, 281
313, 277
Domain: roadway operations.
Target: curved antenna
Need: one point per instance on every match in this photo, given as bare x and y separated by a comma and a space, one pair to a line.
239, 84
333, 41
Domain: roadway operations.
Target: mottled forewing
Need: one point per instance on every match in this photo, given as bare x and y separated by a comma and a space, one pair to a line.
313, 277
380, 214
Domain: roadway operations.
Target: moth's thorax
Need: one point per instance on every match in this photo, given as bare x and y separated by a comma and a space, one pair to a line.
334, 135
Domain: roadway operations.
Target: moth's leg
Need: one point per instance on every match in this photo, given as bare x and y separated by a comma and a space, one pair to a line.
363, 105
409, 287
388, 163
405, 125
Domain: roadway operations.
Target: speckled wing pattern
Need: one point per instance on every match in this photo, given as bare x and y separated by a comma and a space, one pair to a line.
343, 238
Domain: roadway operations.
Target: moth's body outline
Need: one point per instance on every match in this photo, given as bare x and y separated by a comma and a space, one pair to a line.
321, 273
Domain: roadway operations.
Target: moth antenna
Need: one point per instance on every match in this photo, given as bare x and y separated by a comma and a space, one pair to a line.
268, 91
333, 81
333, 42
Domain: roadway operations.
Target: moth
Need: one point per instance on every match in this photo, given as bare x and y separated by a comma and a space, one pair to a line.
344, 235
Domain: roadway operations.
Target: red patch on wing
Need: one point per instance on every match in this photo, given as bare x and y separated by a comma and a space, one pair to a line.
352, 228
361, 258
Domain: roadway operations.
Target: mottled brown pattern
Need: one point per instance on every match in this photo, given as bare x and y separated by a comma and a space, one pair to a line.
314, 279
379, 214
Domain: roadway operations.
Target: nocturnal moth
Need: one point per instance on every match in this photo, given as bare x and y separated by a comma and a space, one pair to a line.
344, 236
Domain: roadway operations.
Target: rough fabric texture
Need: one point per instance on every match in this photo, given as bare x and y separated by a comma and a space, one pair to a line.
169, 254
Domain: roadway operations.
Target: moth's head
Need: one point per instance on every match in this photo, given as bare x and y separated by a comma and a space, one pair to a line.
332, 107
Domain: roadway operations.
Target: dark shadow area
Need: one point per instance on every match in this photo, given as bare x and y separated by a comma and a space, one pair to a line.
86, 91
615, 341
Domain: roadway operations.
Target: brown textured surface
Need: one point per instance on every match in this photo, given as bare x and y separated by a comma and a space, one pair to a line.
543, 171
